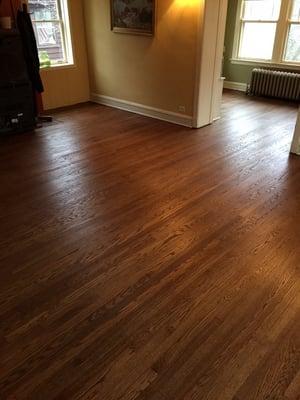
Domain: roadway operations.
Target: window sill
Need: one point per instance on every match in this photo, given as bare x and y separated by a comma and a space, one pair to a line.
58, 67
289, 66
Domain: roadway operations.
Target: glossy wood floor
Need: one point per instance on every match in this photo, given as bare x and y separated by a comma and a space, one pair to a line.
145, 261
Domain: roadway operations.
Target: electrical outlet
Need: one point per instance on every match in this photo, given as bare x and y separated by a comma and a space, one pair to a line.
181, 109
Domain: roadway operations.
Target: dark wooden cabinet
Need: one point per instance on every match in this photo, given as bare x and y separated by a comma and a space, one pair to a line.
17, 112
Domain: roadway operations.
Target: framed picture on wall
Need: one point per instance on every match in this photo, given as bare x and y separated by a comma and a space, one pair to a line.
133, 16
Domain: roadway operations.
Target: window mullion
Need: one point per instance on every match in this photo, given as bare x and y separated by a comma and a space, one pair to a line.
66, 30
241, 36
281, 32
47, 20
260, 21
65, 50
62, 29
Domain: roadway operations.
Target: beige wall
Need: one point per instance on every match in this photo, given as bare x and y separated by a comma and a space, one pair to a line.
157, 72
69, 85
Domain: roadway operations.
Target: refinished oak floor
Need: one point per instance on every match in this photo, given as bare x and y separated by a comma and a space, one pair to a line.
145, 261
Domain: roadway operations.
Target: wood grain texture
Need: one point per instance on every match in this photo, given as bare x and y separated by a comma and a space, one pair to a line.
146, 261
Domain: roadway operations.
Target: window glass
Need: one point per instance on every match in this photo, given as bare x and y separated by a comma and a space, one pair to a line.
296, 10
50, 35
257, 40
42, 9
265, 10
293, 44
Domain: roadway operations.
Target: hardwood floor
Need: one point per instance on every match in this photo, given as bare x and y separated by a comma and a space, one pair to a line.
145, 261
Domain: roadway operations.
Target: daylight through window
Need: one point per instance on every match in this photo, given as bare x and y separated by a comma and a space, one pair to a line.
51, 25
268, 30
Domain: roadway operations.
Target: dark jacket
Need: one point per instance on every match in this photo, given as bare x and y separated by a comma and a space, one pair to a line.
30, 49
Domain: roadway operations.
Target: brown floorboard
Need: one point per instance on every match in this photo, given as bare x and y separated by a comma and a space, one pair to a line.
142, 260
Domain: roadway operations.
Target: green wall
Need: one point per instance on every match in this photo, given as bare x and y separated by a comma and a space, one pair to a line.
233, 72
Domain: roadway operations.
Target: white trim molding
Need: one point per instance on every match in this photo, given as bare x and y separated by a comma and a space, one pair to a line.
295, 149
157, 113
268, 64
241, 87
210, 48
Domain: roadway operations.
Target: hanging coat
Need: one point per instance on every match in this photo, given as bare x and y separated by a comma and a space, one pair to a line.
30, 49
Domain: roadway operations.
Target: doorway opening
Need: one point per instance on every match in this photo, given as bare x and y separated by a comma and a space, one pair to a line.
247, 47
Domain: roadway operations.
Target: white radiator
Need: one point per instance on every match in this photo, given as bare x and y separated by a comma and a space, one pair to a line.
279, 84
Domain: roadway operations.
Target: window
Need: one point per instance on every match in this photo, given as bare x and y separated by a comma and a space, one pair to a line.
268, 31
50, 20
292, 51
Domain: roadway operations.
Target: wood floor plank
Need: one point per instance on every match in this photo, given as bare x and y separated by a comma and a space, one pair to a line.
142, 260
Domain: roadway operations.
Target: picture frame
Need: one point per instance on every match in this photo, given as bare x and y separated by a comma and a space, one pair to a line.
133, 16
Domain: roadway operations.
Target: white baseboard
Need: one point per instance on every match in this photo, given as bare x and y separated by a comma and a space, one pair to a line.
241, 87
164, 115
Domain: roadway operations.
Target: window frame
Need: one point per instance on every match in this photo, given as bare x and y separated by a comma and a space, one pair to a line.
67, 43
281, 38
289, 24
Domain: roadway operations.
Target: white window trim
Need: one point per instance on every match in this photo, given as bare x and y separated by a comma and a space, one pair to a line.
280, 40
64, 20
